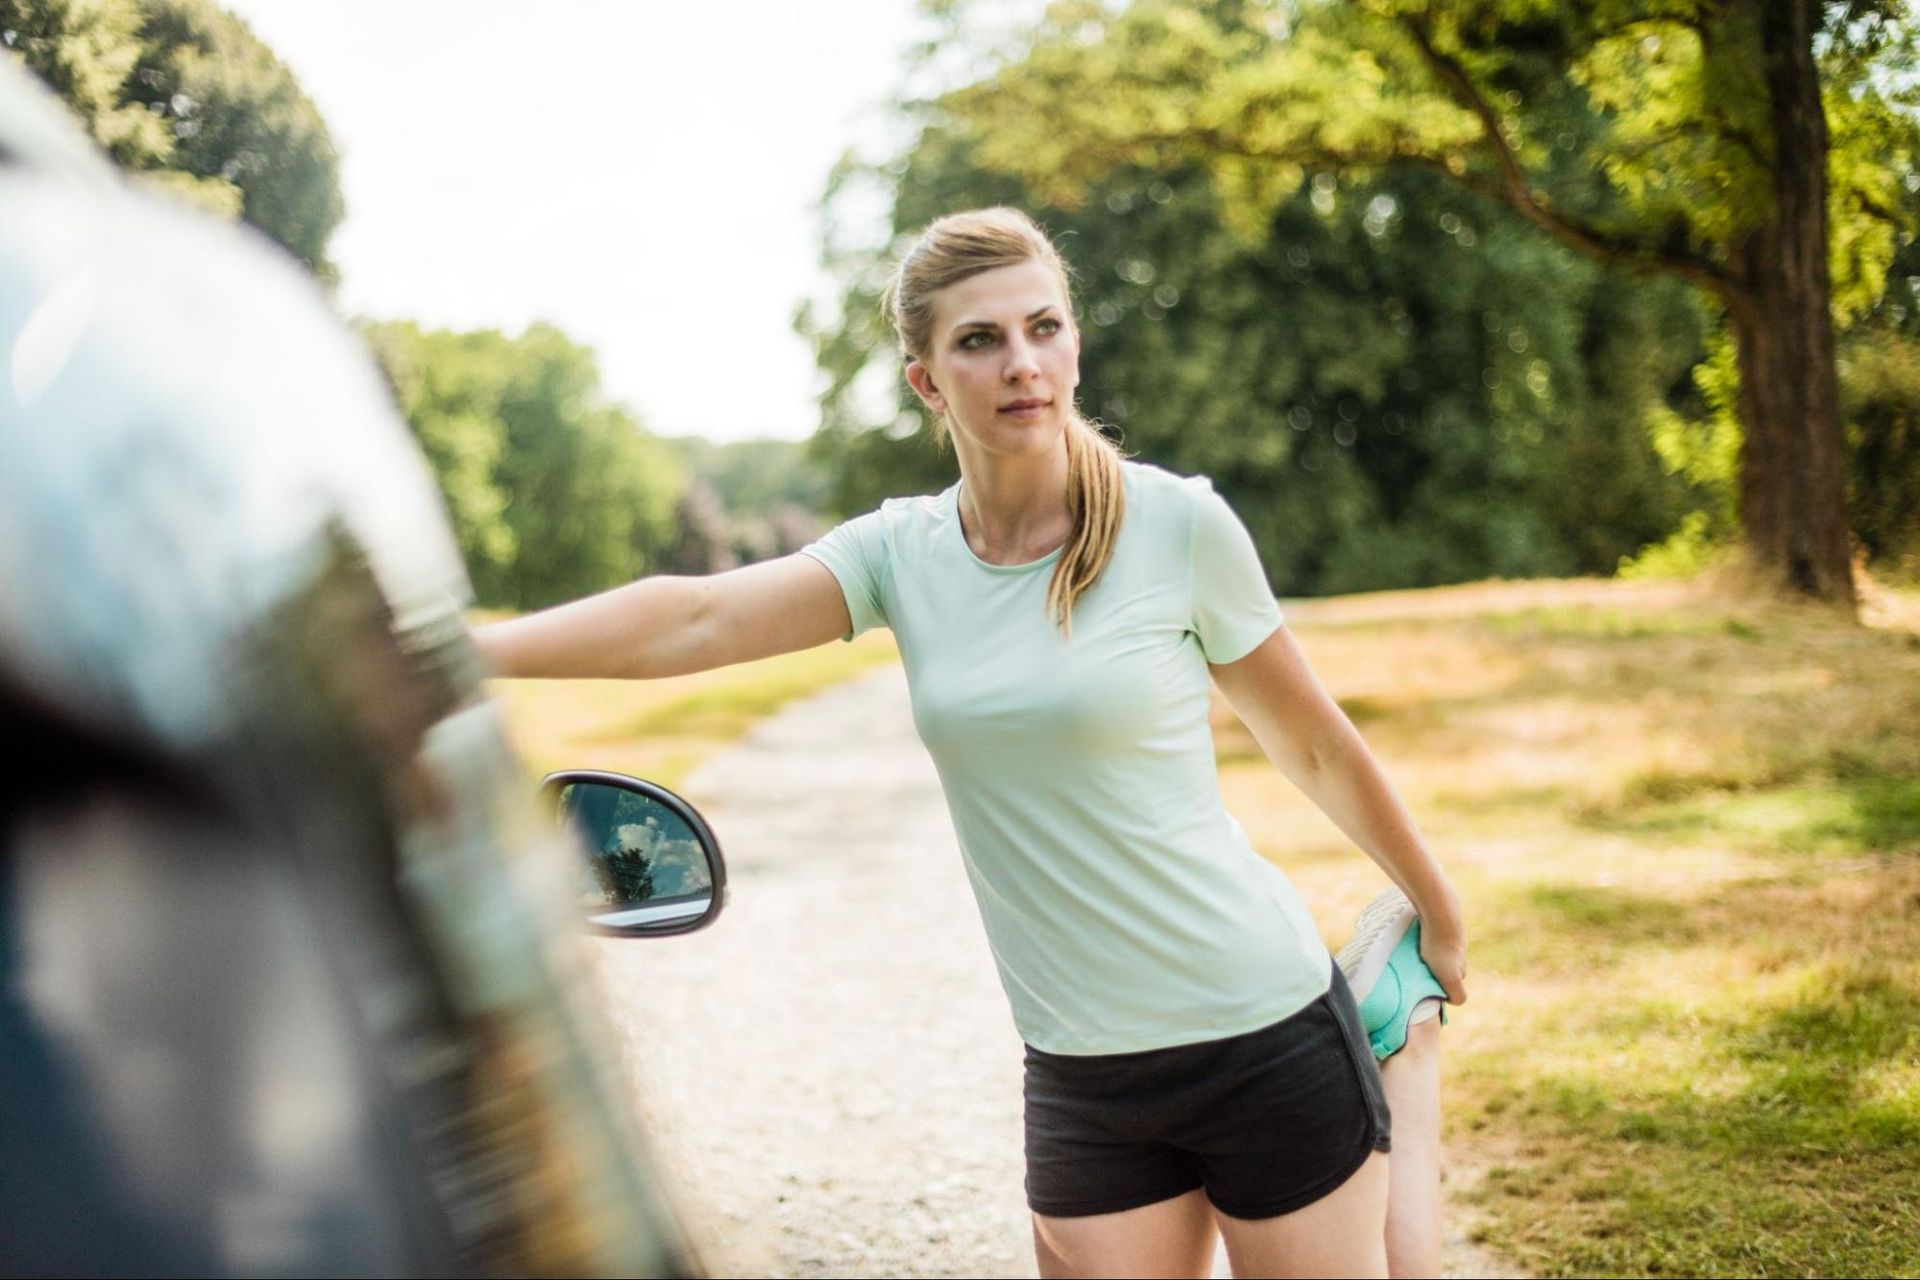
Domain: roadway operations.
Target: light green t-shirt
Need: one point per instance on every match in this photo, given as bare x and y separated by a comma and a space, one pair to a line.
1125, 908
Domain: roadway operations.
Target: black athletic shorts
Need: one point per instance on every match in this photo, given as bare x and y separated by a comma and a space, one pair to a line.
1268, 1122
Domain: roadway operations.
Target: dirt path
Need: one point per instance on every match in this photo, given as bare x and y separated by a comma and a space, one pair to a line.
831, 1067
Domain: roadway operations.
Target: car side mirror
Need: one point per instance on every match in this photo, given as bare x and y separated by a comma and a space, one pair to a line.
651, 867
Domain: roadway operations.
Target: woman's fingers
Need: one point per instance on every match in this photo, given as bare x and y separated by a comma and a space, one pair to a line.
1447, 958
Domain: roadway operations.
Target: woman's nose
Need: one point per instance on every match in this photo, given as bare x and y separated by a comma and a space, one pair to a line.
1020, 361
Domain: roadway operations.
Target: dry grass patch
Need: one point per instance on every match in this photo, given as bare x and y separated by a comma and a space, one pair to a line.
1687, 828
662, 730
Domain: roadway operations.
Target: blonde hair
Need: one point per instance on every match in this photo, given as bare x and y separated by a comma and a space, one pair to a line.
965, 244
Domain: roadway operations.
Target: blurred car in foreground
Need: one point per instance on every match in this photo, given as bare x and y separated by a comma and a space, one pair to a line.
295, 979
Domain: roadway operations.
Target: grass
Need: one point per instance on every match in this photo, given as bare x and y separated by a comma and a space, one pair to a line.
1687, 828
662, 730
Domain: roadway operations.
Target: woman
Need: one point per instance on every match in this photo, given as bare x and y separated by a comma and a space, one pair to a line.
1194, 1060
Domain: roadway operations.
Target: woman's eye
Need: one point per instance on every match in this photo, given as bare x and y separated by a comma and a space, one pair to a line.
1048, 326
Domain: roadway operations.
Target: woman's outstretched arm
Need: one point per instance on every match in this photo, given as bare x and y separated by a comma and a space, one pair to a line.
1309, 738
670, 626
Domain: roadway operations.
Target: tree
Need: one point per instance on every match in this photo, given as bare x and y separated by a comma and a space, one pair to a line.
239, 116
448, 387
84, 50
184, 96
591, 494
553, 492
1759, 150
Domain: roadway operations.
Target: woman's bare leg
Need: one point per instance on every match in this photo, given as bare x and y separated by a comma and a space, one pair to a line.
1340, 1234
1167, 1238
1412, 1079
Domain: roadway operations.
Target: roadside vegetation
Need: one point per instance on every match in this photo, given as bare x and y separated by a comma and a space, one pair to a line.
1687, 829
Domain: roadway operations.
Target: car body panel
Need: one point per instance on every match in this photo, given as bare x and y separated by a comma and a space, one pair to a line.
294, 982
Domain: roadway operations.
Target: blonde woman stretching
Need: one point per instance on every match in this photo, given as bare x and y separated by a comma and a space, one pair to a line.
1194, 1061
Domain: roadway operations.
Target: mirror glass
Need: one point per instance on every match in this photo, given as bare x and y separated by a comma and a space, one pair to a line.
648, 867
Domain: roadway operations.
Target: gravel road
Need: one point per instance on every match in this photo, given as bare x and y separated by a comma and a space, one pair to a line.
831, 1069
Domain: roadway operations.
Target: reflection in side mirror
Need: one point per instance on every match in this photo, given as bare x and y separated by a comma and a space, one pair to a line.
652, 866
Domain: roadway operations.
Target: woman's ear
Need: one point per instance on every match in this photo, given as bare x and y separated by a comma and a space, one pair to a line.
921, 380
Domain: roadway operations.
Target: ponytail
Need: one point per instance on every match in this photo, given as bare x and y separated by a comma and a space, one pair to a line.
1096, 500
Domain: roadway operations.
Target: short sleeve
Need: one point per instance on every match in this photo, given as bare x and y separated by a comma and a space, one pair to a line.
1233, 607
855, 552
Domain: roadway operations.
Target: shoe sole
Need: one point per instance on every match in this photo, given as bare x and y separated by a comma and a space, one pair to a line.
1376, 933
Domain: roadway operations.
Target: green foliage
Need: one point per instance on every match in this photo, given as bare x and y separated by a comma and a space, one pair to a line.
182, 94
84, 50
1880, 403
553, 493
449, 387
1644, 136
1646, 130
1704, 451
1394, 387
1879, 372
239, 117
1872, 105
1681, 554
1879, 368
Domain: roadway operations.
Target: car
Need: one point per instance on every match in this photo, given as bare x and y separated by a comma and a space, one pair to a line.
295, 958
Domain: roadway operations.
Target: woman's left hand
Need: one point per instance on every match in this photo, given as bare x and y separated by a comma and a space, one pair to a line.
1443, 945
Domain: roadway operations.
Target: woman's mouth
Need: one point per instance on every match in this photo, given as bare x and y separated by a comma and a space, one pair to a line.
1025, 408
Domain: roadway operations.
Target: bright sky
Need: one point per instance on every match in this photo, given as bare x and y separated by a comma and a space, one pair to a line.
642, 174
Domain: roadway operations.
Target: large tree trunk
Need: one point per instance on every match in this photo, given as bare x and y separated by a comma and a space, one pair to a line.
1792, 488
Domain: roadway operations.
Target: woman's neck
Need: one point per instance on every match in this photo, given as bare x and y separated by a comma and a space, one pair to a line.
1013, 508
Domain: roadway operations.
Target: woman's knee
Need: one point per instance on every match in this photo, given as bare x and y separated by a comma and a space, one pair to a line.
1422, 1046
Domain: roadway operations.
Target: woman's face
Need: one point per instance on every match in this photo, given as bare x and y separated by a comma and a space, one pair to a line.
1003, 360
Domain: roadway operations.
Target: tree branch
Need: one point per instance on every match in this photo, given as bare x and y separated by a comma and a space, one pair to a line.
1871, 206
1720, 128
1692, 21
1518, 192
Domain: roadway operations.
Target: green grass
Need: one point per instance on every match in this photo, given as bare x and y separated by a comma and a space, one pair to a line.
1588, 622
1876, 813
1732, 1137
726, 711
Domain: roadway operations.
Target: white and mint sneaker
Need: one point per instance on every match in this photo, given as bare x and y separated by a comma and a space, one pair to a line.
1390, 982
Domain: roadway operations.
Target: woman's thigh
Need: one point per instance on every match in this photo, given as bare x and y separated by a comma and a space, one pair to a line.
1173, 1237
1343, 1233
